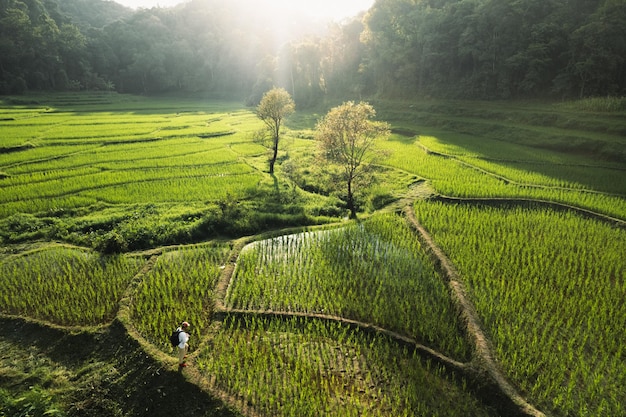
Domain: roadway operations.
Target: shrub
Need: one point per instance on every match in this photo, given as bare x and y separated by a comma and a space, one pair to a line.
35, 402
21, 227
111, 242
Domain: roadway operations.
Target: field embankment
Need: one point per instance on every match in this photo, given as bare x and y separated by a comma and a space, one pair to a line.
121, 216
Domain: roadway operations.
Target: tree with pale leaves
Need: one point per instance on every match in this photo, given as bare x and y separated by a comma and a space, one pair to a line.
275, 106
346, 137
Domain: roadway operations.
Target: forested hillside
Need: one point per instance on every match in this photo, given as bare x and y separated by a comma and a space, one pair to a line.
445, 48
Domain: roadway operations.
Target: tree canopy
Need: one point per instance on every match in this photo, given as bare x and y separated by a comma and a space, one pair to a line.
346, 137
274, 107
446, 48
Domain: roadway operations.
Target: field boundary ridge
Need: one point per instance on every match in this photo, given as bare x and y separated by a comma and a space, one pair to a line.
474, 328
502, 201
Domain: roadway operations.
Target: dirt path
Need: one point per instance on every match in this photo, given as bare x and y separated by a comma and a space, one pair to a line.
483, 363
484, 349
483, 368
191, 374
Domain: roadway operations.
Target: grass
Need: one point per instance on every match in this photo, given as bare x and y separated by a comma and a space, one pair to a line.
89, 151
121, 173
598, 104
464, 177
565, 127
179, 287
65, 286
374, 272
549, 288
528, 167
303, 367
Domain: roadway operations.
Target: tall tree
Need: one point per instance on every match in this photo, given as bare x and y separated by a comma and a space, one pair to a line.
274, 107
342, 56
346, 136
598, 64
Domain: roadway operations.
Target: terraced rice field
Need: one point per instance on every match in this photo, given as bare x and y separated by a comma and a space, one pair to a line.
494, 285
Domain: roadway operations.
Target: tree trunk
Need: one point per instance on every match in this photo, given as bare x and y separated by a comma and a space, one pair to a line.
351, 205
272, 162
274, 155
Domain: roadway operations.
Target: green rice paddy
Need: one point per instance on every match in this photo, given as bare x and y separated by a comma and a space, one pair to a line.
156, 210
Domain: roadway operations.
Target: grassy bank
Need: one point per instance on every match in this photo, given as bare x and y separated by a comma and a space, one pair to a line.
93, 185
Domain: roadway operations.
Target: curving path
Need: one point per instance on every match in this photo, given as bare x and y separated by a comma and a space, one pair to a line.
482, 365
482, 369
484, 349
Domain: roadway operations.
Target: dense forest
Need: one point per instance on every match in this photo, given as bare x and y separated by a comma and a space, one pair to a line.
482, 49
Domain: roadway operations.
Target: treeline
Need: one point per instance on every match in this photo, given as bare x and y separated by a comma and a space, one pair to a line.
444, 48
498, 48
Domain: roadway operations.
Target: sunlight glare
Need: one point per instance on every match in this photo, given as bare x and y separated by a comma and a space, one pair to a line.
336, 10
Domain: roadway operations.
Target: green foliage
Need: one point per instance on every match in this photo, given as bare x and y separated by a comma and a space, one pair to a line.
463, 49
304, 367
495, 49
35, 402
380, 199
65, 286
28, 29
21, 227
374, 272
548, 287
346, 136
275, 106
111, 242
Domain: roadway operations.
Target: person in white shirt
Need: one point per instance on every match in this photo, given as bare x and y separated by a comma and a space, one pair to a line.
183, 345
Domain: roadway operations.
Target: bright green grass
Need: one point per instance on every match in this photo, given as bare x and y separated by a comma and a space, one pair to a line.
249, 149
375, 272
112, 127
529, 166
18, 162
147, 155
549, 287
457, 178
65, 286
188, 188
152, 154
179, 287
13, 136
130, 187
216, 175
97, 133
300, 367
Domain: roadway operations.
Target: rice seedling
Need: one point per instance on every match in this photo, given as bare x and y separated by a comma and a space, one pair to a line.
374, 272
550, 289
179, 287
81, 158
13, 162
598, 104
65, 286
307, 367
530, 167
452, 177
